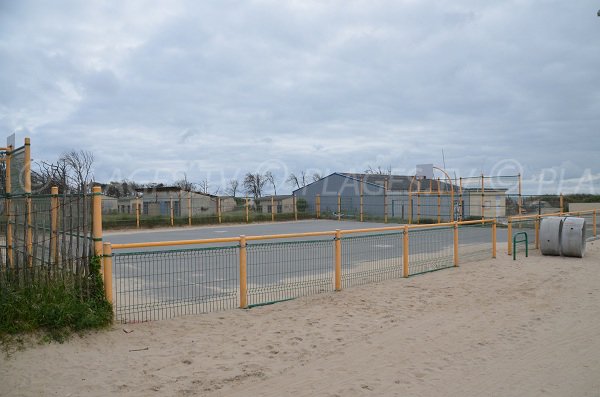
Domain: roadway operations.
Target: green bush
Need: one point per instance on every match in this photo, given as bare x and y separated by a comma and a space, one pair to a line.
55, 307
301, 204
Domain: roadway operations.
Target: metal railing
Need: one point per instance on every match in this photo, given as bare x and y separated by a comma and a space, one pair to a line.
246, 271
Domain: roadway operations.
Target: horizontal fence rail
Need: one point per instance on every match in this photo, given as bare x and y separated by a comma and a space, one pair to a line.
249, 271
473, 198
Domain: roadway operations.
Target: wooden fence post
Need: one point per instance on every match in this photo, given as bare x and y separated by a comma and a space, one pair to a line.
97, 220
272, 209
247, 210
54, 225
27, 187
318, 205
190, 208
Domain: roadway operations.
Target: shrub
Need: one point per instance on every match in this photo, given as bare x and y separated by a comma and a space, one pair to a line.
56, 307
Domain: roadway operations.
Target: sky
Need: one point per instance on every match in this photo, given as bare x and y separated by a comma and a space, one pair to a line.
215, 89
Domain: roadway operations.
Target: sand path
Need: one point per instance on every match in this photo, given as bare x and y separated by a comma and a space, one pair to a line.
493, 328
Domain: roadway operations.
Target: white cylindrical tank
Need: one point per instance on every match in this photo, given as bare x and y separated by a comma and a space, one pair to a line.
550, 235
573, 237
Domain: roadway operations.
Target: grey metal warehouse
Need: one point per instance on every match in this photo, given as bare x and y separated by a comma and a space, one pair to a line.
395, 202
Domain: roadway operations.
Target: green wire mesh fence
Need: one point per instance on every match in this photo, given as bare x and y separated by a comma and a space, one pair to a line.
475, 242
158, 284
431, 249
372, 258
154, 285
286, 270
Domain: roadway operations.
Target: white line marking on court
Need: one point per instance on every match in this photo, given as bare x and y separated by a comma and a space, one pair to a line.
220, 231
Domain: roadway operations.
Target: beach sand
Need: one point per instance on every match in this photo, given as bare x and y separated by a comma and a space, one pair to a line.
499, 327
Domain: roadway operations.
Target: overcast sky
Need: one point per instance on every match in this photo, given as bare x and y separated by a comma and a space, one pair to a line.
216, 89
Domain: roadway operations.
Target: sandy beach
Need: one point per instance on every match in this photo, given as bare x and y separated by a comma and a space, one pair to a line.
499, 327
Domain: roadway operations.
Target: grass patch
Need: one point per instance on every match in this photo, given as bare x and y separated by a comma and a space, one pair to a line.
55, 308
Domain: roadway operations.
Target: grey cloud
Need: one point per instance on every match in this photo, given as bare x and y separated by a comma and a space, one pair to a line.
227, 86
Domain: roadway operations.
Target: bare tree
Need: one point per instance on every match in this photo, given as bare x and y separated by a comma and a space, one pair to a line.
72, 172
79, 163
184, 184
269, 177
299, 180
379, 170
316, 176
46, 175
232, 187
254, 183
203, 186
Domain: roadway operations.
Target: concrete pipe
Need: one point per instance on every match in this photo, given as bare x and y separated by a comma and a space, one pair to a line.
573, 237
550, 235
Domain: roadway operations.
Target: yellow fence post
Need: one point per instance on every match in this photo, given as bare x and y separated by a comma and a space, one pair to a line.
107, 271
54, 225
339, 211
318, 205
171, 209
138, 212
455, 243
243, 274
494, 239
561, 204
362, 181
537, 232
460, 204
97, 220
27, 187
385, 207
190, 208
295, 204
482, 198
509, 235
405, 269
338, 260
410, 207
247, 210
419, 203
520, 202
439, 202
219, 208
272, 209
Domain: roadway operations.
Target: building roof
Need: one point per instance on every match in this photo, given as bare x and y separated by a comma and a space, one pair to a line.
276, 197
175, 189
398, 182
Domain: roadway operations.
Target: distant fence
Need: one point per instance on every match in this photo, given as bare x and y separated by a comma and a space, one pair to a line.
392, 207
154, 283
189, 209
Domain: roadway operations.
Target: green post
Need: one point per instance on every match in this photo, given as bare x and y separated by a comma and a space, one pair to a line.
515, 241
